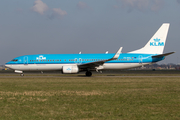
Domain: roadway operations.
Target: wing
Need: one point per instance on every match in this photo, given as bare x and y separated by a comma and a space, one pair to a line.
92, 65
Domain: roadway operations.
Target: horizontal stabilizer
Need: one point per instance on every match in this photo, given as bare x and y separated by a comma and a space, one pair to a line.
162, 55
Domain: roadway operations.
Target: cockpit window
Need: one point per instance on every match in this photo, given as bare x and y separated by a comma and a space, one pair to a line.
15, 60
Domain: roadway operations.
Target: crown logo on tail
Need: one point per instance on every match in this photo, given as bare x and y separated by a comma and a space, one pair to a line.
157, 40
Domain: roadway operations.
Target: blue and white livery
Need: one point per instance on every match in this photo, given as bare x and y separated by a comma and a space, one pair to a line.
74, 63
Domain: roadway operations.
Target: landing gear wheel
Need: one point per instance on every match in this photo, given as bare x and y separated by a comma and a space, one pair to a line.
88, 73
21, 74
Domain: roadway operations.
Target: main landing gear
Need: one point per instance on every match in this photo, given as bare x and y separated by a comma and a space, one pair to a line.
88, 73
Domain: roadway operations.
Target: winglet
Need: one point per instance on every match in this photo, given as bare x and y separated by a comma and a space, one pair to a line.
118, 53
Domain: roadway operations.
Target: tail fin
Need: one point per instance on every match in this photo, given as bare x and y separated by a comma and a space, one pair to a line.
156, 43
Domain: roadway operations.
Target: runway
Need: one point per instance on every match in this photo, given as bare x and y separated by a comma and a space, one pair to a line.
83, 76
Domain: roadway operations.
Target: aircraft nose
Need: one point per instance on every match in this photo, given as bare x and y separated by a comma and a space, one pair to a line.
7, 65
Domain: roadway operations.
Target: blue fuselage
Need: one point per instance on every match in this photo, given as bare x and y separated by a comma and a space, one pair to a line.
82, 58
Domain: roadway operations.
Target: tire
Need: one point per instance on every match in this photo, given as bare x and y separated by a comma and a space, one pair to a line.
88, 73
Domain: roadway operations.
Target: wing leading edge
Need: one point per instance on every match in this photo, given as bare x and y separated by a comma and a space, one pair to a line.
93, 65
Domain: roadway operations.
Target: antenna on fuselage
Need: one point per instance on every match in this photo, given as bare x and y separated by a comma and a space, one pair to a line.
80, 52
107, 52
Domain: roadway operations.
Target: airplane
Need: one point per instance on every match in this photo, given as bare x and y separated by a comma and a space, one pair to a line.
151, 53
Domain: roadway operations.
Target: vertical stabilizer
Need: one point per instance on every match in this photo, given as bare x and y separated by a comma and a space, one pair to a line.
156, 43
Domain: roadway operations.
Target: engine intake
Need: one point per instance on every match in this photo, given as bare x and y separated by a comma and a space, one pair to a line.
70, 69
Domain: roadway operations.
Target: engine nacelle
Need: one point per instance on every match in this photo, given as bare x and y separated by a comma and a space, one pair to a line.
70, 69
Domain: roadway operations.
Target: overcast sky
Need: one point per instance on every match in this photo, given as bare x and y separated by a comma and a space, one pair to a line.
89, 26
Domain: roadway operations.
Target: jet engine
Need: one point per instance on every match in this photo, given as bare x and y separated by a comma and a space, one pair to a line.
70, 69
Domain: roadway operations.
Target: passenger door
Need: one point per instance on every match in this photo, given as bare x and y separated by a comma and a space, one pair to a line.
140, 59
25, 60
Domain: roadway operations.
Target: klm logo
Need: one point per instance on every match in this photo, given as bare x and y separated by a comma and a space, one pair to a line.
68, 69
40, 58
156, 43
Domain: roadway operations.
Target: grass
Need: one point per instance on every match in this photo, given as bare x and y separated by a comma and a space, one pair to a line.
84, 98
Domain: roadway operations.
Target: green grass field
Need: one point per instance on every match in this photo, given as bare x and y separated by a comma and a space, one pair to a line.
123, 98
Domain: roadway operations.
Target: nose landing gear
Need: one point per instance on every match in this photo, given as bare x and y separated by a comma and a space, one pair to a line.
21, 74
